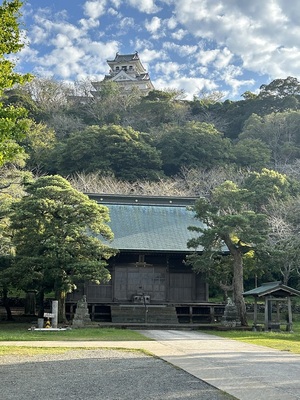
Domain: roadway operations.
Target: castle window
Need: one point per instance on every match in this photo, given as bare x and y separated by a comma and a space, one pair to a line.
124, 68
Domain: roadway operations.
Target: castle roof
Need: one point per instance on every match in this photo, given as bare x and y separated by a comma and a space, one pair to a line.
124, 58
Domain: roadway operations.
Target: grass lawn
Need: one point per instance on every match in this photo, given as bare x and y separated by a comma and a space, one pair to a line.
31, 351
19, 332
283, 341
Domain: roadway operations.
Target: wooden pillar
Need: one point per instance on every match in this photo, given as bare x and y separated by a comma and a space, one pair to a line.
194, 287
266, 313
255, 312
212, 314
167, 284
278, 310
270, 309
290, 318
113, 283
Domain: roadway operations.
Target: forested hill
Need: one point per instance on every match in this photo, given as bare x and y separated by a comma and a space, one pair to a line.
135, 138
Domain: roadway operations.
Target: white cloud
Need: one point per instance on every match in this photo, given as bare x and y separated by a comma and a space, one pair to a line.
45, 28
219, 58
112, 11
78, 62
182, 50
191, 86
38, 34
150, 55
206, 57
27, 54
146, 6
223, 59
179, 35
153, 25
94, 8
252, 30
140, 44
126, 23
116, 3
168, 69
206, 42
71, 51
61, 41
89, 23
230, 75
172, 23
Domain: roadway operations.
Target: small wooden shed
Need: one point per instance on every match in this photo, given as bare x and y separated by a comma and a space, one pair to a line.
273, 292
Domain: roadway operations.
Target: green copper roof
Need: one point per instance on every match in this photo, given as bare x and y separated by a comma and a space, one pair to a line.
149, 226
272, 288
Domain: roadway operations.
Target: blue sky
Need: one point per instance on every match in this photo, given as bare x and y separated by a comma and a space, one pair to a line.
193, 45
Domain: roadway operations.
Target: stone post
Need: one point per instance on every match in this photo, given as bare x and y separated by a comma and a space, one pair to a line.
55, 313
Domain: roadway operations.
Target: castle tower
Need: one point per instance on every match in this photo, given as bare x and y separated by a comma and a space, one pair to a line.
128, 71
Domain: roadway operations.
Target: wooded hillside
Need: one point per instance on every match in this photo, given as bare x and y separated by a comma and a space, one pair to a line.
160, 135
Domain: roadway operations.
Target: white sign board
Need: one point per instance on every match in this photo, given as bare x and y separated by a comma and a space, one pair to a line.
49, 315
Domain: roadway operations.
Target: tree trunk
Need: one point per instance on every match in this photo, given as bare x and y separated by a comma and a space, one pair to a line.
6, 305
238, 286
30, 302
226, 289
238, 280
41, 307
61, 297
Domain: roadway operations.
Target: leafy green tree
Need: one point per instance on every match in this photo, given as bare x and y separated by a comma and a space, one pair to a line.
279, 131
10, 43
55, 229
19, 97
11, 191
251, 153
281, 88
158, 108
230, 222
124, 152
279, 96
228, 116
13, 127
13, 122
6, 250
268, 185
249, 95
233, 222
196, 144
39, 142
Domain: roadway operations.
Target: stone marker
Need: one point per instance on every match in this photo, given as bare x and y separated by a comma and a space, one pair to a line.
82, 315
230, 318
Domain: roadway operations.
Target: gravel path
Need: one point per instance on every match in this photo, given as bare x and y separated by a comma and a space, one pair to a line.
99, 374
